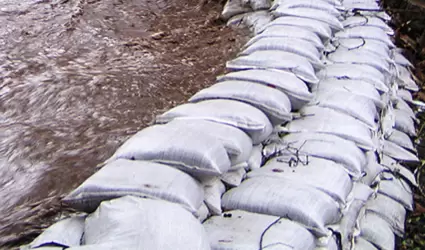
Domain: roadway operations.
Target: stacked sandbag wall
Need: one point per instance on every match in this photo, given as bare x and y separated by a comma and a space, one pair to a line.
298, 147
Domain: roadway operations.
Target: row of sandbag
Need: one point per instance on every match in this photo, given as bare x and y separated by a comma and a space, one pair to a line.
347, 102
288, 202
184, 143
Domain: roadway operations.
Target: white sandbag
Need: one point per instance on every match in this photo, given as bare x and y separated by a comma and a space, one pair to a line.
363, 5
284, 198
401, 139
274, 103
324, 146
313, 110
354, 21
359, 57
397, 152
360, 44
318, 27
400, 59
202, 213
191, 151
318, 5
366, 32
404, 79
403, 106
234, 113
281, 60
213, 190
405, 95
290, 32
404, 122
355, 72
238, 229
347, 226
321, 174
354, 105
377, 231
137, 223
398, 170
233, 8
372, 169
254, 21
138, 178
355, 130
64, 233
362, 244
357, 87
236, 142
390, 210
314, 14
397, 189
234, 177
379, 14
287, 82
256, 159
287, 44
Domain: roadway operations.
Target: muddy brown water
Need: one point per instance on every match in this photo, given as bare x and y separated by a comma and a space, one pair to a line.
78, 77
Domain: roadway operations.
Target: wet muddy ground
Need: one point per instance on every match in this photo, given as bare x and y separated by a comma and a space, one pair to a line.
78, 77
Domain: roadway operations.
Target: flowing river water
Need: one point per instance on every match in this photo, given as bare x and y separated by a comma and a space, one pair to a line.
77, 77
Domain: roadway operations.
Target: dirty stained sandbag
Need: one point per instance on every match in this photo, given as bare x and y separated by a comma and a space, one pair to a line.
236, 142
355, 72
321, 174
376, 230
401, 139
135, 223
357, 87
296, 90
324, 146
290, 32
234, 7
314, 14
366, 32
397, 152
213, 190
287, 44
360, 44
317, 5
354, 105
274, 103
280, 60
390, 210
254, 21
356, 57
355, 130
397, 189
239, 229
238, 114
194, 152
354, 21
268, 195
62, 234
320, 28
138, 178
